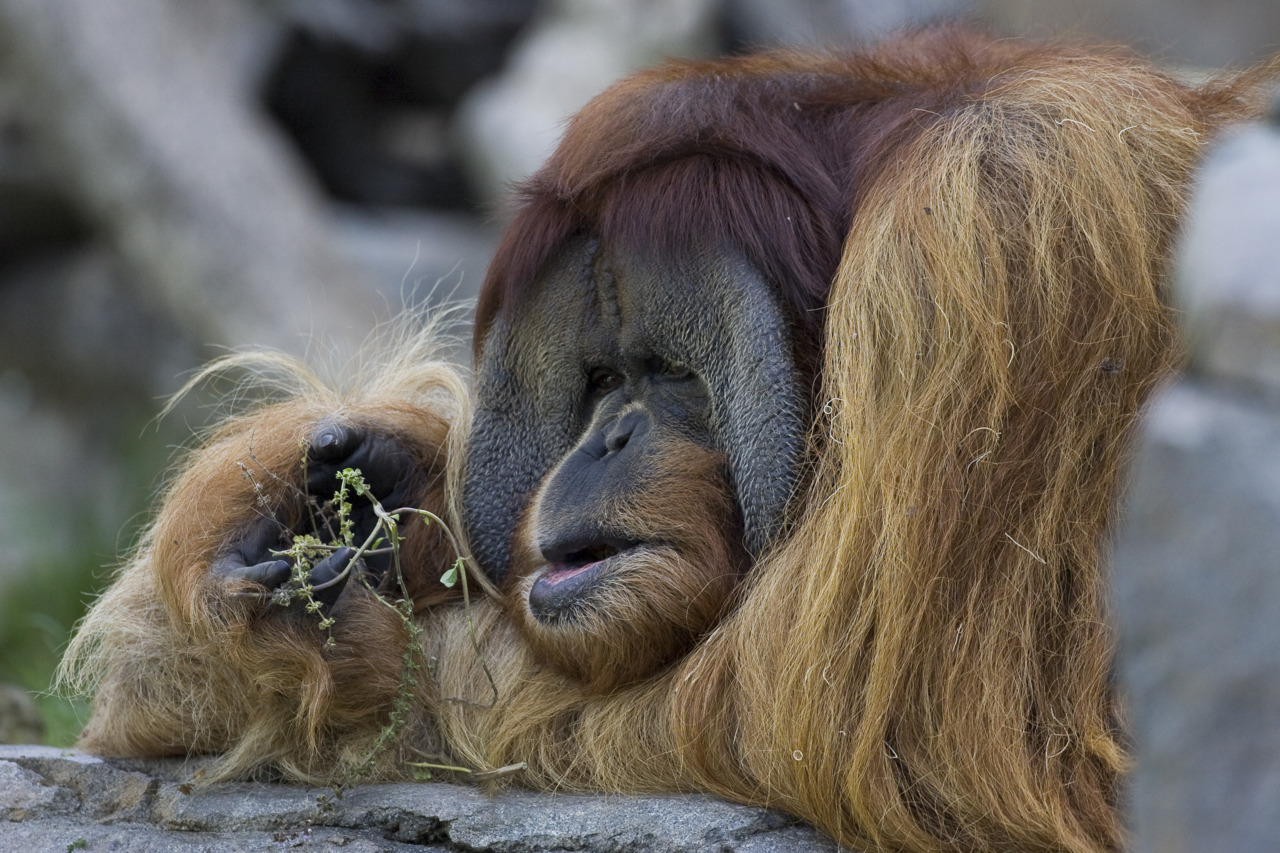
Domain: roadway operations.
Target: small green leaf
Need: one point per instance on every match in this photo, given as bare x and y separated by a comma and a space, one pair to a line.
450, 577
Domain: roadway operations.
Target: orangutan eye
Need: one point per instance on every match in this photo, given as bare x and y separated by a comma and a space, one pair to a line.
676, 370
670, 371
602, 380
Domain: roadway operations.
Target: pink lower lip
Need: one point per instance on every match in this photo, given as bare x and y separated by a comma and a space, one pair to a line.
559, 572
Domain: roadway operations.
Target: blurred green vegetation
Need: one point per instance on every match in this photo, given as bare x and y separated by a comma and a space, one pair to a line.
36, 617
40, 607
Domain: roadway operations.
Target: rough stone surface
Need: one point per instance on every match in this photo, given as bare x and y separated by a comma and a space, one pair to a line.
412, 256
509, 125
1198, 589
1197, 559
1229, 275
51, 798
832, 24
1203, 33
20, 720
147, 125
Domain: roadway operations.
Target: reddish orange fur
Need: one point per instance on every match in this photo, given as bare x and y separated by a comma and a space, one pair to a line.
922, 663
211, 666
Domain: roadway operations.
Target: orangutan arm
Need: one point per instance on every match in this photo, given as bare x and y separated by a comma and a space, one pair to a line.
200, 647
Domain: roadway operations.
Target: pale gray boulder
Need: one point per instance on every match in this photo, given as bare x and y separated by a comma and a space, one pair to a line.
1197, 559
50, 799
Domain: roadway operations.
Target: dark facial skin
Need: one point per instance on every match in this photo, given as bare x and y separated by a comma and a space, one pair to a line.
630, 410
639, 411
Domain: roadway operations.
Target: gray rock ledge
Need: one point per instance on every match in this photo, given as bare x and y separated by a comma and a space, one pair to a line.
59, 800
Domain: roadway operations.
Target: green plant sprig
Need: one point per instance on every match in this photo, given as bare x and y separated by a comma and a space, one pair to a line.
305, 552
385, 537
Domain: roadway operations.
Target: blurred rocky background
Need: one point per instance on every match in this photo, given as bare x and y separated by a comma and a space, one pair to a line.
183, 177
1196, 566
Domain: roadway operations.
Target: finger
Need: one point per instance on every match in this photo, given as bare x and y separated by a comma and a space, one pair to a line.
328, 571
270, 575
331, 566
386, 465
331, 442
252, 549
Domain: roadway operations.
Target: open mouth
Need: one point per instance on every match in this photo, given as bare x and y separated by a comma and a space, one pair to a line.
570, 576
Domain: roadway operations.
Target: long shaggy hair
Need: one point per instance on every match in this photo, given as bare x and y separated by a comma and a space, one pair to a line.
971, 239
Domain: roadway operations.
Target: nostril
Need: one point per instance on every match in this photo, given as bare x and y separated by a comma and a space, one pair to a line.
616, 442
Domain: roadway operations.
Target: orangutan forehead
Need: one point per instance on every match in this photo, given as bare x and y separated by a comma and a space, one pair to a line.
609, 297
676, 208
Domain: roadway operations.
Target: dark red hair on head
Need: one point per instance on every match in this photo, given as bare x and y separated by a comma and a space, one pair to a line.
761, 154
